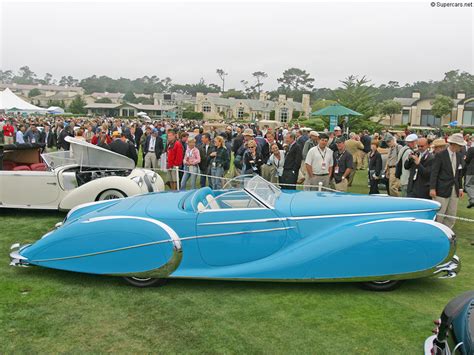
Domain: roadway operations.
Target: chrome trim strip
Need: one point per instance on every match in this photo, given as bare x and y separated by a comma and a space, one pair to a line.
237, 233
356, 214
263, 220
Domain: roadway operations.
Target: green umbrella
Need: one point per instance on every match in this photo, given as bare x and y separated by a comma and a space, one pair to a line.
336, 110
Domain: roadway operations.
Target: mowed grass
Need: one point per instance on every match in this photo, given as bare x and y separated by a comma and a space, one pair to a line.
48, 311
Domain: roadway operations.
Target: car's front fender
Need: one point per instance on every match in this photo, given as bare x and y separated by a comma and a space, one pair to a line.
91, 191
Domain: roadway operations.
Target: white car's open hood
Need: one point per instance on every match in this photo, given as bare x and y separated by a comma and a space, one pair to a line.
87, 155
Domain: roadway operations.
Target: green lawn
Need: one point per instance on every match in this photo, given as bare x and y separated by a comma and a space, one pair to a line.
47, 311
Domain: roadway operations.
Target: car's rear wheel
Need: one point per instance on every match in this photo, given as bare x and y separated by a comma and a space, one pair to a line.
385, 285
111, 195
145, 281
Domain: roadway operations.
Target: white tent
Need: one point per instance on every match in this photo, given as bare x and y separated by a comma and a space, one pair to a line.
10, 102
55, 110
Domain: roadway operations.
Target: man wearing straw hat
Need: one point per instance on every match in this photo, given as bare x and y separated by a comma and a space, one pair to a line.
446, 179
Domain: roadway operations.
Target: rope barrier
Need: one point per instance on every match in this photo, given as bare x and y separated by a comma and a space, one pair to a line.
320, 187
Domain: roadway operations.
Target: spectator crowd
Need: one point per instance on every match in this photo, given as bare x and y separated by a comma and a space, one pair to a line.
405, 164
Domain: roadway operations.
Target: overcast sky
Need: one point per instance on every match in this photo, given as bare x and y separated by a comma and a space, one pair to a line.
405, 42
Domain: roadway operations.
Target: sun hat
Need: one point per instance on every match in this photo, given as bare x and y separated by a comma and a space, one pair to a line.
411, 138
440, 142
457, 138
248, 132
388, 137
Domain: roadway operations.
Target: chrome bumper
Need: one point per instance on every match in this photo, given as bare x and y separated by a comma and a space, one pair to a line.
448, 270
429, 344
15, 258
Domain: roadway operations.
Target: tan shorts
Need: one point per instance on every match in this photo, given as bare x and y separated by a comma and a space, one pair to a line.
171, 175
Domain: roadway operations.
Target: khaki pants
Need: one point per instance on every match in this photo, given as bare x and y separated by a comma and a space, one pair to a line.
393, 183
150, 161
449, 206
342, 186
268, 171
8, 140
364, 161
315, 180
351, 177
357, 157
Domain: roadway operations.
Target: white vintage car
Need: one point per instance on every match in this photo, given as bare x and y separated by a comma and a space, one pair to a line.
65, 179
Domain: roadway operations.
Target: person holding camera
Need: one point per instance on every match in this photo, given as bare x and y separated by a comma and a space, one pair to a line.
419, 163
375, 168
253, 159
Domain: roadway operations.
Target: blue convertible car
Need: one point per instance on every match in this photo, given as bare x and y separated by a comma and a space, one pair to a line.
251, 231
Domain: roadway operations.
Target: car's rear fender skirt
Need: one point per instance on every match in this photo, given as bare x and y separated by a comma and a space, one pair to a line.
405, 247
112, 245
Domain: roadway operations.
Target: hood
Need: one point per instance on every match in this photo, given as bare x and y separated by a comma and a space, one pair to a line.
309, 203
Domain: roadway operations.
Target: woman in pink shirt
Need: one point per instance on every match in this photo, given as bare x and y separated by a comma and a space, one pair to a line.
190, 162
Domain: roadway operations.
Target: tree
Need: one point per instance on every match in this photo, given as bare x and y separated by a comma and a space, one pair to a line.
77, 105
259, 76
248, 89
47, 80
103, 100
144, 100
25, 76
34, 92
68, 81
357, 94
222, 74
236, 94
442, 106
6, 76
295, 79
389, 108
130, 97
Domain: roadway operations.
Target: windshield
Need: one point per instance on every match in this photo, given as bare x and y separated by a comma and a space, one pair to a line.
263, 190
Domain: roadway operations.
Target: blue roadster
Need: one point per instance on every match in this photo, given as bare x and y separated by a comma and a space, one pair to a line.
251, 231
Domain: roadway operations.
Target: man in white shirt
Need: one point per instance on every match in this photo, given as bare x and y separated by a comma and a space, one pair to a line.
19, 135
151, 156
319, 163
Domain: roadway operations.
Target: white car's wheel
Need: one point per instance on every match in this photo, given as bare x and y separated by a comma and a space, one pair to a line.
111, 195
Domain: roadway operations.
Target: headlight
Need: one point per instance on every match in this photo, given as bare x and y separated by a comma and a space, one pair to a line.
138, 180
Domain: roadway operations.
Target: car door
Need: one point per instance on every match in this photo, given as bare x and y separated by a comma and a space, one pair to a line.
239, 235
29, 189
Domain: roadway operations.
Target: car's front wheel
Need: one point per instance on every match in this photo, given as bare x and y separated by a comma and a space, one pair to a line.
145, 282
385, 285
111, 195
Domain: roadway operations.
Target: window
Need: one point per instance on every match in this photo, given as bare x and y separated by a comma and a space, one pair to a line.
427, 119
206, 107
468, 115
240, 112
284, 114
405, 116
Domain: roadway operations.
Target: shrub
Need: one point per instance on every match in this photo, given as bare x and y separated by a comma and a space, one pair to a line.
193, 115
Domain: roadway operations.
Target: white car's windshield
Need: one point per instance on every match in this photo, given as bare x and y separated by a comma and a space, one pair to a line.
262, 190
